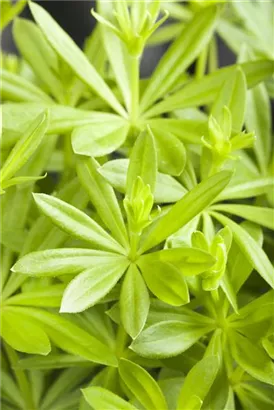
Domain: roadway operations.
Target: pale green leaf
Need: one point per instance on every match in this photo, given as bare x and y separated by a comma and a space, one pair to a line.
100, 398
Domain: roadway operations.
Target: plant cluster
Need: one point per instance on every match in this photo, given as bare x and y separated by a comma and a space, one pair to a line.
136, 266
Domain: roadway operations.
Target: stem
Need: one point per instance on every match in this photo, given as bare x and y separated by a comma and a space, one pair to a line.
134, 241
121, 341
213, 56
21, 378
134, 86
201, 64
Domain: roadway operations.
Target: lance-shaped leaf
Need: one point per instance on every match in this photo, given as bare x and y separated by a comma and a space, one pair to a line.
167, 189
102, 197
194, 38
55, 262
17, 88
252, 358
232, 95
190, 261
100, 398
24, 148
168, 338
70, 337
38, 53
142, 385
23, 333
143, 161
249, 247
257, 214
165, 281
247, 189
100, 138
203, 91
49, 297
75, 222
73, 56
86, 289
184, 210
198, 382
134, 302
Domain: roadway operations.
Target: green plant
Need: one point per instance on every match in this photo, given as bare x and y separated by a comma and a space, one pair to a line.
137, 214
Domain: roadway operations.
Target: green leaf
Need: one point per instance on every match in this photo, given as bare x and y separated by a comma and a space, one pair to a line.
198, 382
73, 56
70, 337
52, 361
34, 48
55, 262
25, 147
190, 261
165, 281
143, 162
249, 247
167, 339
256, 214
100, 138
171, 152
22, 332
75, 222
142, 385
49, 297
184, 210
248, 189
252, 358
86, 289
17, 88
100, 398
203, 91
258, 119
134, 302
103, 198
167, 189
194, 37
232, 95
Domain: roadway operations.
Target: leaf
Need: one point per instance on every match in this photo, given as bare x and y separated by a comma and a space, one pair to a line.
167, 339
75, 222
34, 48
22, 332
103, 198
171, 152
86, 289
55, 262
17, 88
258, 119
166, 282
142, 385
100, 138
203, 91
190, 261
198, 381
25, 147
256, 214
70, 337
143, 162
73, 56
194, 37
134, 302
252, 358
184, 210
52, 361
249, 247
232, 95
100, 398
49, 297
167, 189
248, 189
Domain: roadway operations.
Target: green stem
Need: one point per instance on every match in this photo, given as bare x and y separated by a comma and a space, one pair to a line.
121, 341
201, 64
213, 56
134, 242
21, 378
134, 86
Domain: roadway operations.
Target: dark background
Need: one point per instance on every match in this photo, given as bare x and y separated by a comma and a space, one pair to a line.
74, 16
